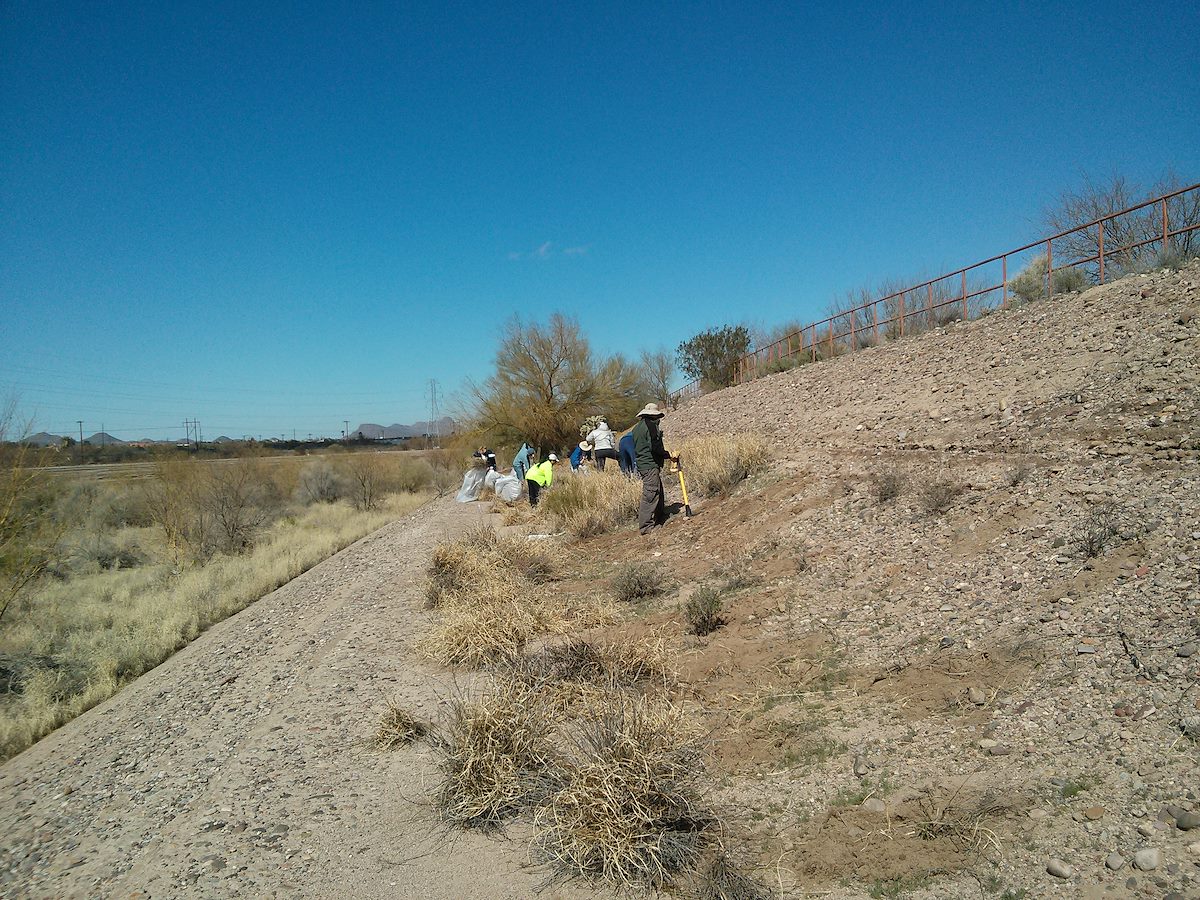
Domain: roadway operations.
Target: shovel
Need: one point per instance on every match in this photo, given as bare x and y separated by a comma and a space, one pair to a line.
677, 467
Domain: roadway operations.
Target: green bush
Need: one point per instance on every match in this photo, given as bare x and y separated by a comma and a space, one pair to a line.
703, 610
637, 582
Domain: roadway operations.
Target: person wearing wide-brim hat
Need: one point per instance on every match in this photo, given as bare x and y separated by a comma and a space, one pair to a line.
650, 455
578, 454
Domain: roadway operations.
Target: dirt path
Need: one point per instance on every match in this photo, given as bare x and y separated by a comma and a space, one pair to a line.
241, 767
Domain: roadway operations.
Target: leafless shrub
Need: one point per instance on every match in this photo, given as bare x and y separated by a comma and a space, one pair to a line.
1098, 531
937, 494
889, 485
319, 482
1018, 474
961, 824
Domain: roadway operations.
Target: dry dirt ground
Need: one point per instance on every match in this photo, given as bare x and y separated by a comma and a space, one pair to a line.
243, 766
984, 686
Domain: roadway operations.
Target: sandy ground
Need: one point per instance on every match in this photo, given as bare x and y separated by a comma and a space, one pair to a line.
242, 766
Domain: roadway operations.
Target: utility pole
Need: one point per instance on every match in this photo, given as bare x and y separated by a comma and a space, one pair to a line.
435, 437
345, 429
79, 452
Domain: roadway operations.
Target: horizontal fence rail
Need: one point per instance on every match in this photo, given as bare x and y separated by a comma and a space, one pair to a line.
972, 291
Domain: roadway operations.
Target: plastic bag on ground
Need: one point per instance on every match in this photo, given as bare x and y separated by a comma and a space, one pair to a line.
508, 488
471, 486
489, 480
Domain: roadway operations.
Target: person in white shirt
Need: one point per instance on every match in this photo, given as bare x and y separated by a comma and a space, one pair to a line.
604, 444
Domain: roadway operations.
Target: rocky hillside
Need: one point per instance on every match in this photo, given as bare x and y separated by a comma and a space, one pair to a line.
963, 606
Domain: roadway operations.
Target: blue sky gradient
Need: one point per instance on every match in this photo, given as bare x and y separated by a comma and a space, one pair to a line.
276, 217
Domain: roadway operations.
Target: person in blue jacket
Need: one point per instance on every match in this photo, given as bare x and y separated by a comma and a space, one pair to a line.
523, 461
627, 456
578, 454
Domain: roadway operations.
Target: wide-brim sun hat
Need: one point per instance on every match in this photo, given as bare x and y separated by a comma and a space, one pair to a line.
651, 410
585, 446
552, 458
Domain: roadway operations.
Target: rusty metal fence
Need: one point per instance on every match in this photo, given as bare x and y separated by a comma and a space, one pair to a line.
973, 290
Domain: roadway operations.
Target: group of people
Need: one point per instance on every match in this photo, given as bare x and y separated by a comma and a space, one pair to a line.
640, 453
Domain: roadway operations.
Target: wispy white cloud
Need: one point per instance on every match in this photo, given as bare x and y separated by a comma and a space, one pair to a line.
547, 249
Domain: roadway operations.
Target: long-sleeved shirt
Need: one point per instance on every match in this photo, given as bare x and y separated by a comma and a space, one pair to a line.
601, 439
626, 454
648, 448
542, 473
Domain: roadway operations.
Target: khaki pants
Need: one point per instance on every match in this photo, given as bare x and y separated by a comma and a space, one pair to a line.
651, 511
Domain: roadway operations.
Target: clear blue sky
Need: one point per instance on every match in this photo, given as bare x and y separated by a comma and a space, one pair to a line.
278, 216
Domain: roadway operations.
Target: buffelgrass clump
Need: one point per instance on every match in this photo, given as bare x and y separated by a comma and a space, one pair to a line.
495, 757
888, 485
581, 676
638, 581
477, 556
937, 494
592, 504
960, 824
398, 727
703, 610
717, 465
629, 810
1099, 529
723, 880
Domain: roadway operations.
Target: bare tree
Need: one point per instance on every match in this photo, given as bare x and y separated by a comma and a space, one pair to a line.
658, 371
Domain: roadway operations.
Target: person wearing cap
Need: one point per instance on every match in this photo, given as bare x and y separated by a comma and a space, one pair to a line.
487, 455
602, 440
649, 454
539, 477
577, 455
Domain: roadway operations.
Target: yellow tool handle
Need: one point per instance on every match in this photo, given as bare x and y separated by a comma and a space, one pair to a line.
683, 487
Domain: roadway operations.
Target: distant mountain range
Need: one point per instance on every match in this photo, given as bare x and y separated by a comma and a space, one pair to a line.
372, 432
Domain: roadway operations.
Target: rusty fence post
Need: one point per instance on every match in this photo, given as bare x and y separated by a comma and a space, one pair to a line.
929, 307
853, 330
1004, 282
1049, 269
831, 338
1101, 257
812, 342
1166, 231
875, 319
902, 314
964, 294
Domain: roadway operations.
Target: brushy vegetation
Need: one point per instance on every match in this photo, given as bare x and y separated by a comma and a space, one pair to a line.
1098, 530
123, 593
723, 880
638, 581
495, 757
629, 810
1030, 284
936, 494
889, 485
715, 465
592, 504
703, 610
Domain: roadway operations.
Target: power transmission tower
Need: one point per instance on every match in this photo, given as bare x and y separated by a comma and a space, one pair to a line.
435, 435
79, 453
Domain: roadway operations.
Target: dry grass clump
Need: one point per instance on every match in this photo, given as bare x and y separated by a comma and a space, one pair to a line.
578, 674
398, 727
962, 824
478, 556
1098, 530
937, 494
629, 809
592, 504
638, 581
888, 485
1018, 474
723, 880
703, 610
495, 757
717, 465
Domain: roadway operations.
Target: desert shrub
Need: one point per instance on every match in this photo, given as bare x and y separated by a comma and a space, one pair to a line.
638, 581
320, 482
629, 809
398, 727
578, 671
1098, 530
1030, 284
718, 464
495, 758
703, 610
936, 494
888, 485
592, 504
723, 880
364, 476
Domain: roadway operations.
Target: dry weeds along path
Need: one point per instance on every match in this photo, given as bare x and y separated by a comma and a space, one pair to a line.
242, 766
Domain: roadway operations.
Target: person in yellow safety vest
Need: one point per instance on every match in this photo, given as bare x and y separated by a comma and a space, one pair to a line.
540, 477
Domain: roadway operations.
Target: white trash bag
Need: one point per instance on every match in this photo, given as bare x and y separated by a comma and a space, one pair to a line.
471, 486
508, 488
490, 479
